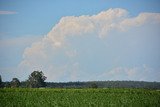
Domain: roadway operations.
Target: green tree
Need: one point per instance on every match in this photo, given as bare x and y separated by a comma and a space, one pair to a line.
15, 83
36, 80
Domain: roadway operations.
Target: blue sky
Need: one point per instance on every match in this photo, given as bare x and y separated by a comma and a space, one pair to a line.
75, 40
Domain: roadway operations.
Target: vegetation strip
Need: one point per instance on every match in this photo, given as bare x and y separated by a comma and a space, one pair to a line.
47, 97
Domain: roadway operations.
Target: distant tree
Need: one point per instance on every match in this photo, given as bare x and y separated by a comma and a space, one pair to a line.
7, 84
24, 84
36, 80
1, 83
94, 85
15, 83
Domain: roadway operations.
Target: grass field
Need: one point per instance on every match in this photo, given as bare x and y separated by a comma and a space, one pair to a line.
79, 98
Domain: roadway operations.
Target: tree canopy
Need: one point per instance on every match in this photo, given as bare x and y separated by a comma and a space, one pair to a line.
15, 83
36, 80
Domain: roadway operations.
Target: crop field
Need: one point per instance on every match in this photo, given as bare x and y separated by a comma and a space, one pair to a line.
46, 97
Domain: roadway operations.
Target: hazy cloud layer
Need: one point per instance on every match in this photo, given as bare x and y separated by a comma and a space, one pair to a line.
142, 73
76, 43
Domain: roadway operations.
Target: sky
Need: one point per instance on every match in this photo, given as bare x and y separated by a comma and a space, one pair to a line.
80, 40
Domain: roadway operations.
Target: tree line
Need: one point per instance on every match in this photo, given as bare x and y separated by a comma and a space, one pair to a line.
105, 84
37, 79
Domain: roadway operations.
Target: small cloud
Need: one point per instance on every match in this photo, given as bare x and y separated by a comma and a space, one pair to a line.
71, 53
7, 12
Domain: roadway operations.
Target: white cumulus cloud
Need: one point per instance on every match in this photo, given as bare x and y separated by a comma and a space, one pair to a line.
54, 53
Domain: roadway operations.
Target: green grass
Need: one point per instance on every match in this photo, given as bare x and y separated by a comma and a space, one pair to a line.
79, 98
